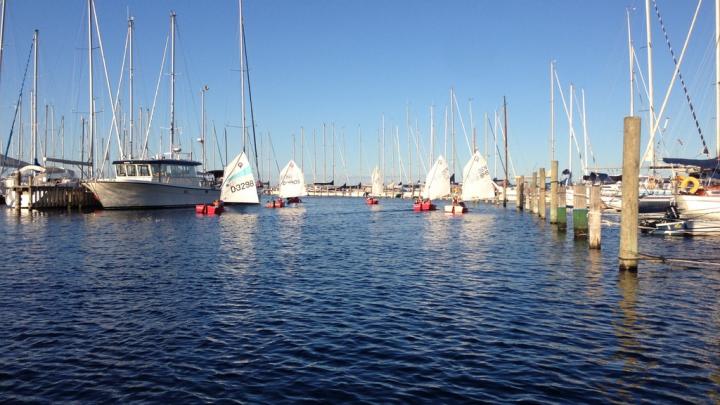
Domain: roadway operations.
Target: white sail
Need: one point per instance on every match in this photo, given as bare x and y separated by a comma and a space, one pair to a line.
292, 181
238, 182
477, 184
437, 183
377, 185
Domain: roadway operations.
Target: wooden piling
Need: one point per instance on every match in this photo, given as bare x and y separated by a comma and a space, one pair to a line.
595, 217
520, 182
18, 191
628, 251
541, 193
561, 209
533, 191
553, 191
580, 219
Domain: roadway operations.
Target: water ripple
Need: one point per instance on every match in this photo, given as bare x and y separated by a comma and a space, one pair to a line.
335, 301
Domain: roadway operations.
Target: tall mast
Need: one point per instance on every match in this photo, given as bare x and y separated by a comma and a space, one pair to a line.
495, 152
203, 124
717, 79
505, 132
242, 72
452, 131
382, 148
485, 134
333, 153
33, 111
472, 127
172, 83
432, 133
302, 149
314, 157
360, 145
131, 29
409, 170
651, 91
632, 65
552, 110
570, 134
585, 137
91, 101
45, 146
324, 153
2, 31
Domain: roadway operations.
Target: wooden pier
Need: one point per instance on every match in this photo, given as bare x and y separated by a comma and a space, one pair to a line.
48, 197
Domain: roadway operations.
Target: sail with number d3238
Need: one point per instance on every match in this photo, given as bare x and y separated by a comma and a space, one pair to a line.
238, 185
477, 184
292, 181
377, 183
437, 183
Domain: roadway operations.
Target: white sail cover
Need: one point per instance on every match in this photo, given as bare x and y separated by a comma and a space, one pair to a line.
377, 184
437, 183
238, 182
292, 181
477, 184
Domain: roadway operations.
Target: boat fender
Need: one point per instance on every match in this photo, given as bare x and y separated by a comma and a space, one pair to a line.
686, 182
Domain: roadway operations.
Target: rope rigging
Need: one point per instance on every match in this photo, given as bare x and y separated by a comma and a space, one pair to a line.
682, 80
17, 107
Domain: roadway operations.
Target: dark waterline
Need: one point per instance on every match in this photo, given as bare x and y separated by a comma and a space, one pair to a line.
338, 301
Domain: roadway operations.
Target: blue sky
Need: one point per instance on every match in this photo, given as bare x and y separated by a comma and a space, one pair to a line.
350, 62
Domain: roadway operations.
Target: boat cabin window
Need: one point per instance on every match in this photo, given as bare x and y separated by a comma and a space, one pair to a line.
120, 170
155, 170
143, 170
180, 170
130, 170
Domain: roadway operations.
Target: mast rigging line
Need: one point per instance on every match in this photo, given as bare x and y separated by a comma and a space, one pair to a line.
107, 81
157, 90
252, 110
497, 149
217, 143
654, 127
679, 74
106, 151
17, 107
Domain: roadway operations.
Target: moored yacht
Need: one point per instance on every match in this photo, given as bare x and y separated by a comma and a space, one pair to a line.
154, 183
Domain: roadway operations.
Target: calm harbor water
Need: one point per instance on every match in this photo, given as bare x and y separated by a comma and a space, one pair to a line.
342, 302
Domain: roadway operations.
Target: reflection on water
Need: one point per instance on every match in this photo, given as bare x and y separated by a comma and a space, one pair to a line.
338, 301
627, 331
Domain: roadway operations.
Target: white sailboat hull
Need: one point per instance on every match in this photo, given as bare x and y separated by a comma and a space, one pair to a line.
705, 207
140, 194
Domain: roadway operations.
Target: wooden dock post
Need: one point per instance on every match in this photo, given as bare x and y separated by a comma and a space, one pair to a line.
18, 191
562, 209
520, 189
580, 219
553, 191
541, 193
628, 252
595, 217
533, 191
